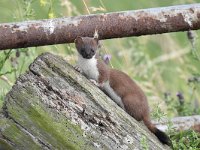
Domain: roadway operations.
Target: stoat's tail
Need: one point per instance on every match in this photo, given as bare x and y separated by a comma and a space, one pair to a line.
160, 135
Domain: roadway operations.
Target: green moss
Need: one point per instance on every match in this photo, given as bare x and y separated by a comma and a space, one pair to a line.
1, 104
14, 134
51, 127
4, 145
143, 143
61, 133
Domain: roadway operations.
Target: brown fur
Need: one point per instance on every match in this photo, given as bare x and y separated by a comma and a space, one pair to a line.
86, 46
104, 71
125, 88
132, 96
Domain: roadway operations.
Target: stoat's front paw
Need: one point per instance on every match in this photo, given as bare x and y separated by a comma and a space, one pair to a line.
94, 82
77, 68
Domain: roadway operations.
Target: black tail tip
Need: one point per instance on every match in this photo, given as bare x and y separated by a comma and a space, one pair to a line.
163, 138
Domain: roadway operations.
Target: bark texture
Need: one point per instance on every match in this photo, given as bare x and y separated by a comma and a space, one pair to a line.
180, 123
53, 106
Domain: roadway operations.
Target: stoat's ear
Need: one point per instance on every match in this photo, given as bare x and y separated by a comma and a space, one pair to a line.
78, 40
96, 40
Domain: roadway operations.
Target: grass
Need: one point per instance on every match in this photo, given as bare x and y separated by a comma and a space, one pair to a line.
162, 65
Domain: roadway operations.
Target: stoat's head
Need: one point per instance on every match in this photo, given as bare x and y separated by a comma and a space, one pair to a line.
86, 46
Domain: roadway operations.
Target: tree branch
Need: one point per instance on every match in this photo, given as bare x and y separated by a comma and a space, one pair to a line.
180, 123
109, 25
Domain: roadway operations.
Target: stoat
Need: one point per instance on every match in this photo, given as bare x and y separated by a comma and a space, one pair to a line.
116, 84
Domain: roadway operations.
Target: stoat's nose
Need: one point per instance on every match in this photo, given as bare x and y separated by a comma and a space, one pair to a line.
87, 52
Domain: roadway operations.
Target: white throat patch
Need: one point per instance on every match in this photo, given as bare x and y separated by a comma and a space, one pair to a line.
89, 67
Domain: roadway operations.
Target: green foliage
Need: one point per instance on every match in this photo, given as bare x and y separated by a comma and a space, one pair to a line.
143, 143
28, 12
3, 58
180, 107
158, 114
186, 140
165, 66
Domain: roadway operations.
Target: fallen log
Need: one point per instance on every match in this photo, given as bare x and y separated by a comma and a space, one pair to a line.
180, 123
52, 106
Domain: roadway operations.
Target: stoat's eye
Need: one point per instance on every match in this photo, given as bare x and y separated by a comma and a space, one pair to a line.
92, 50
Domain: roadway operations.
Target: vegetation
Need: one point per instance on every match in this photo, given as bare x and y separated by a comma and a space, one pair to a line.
167, 66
